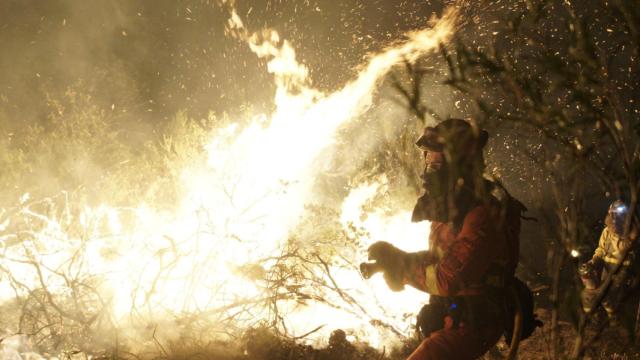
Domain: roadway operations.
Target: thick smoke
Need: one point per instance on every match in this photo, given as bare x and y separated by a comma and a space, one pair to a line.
136, 65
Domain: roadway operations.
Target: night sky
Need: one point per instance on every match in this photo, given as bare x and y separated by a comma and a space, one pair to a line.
151, 59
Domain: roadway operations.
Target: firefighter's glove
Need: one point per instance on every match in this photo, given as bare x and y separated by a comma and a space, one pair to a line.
397, 265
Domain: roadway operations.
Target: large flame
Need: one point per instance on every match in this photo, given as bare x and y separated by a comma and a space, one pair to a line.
238, 210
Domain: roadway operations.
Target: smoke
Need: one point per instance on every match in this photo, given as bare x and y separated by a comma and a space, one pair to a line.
139, 64
241, 184
154, 59
17, 347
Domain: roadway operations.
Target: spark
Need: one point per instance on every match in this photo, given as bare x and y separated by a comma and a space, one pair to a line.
237, 210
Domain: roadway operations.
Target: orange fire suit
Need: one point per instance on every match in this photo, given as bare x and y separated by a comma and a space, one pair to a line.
471, 267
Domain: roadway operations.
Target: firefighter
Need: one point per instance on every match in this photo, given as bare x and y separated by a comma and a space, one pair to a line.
607, 256
473, 247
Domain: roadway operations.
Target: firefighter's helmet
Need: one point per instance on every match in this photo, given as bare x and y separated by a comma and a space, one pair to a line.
617, 214
455, 135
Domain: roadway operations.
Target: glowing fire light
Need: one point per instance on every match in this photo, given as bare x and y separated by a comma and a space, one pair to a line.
239, 210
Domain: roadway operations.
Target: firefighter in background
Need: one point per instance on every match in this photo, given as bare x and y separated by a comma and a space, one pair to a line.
607, 255
473, 248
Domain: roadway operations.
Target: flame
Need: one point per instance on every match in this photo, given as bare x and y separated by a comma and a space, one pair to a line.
237, 210
397, 229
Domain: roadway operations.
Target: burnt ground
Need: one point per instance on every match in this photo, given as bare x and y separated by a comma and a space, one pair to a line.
262, 344
613, 342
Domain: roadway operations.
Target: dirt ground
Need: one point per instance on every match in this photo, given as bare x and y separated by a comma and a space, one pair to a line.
613, 342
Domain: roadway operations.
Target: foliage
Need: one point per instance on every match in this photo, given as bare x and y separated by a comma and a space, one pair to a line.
565, 74
90, 157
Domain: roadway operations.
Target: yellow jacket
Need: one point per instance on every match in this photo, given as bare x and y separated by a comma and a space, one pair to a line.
611, 247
